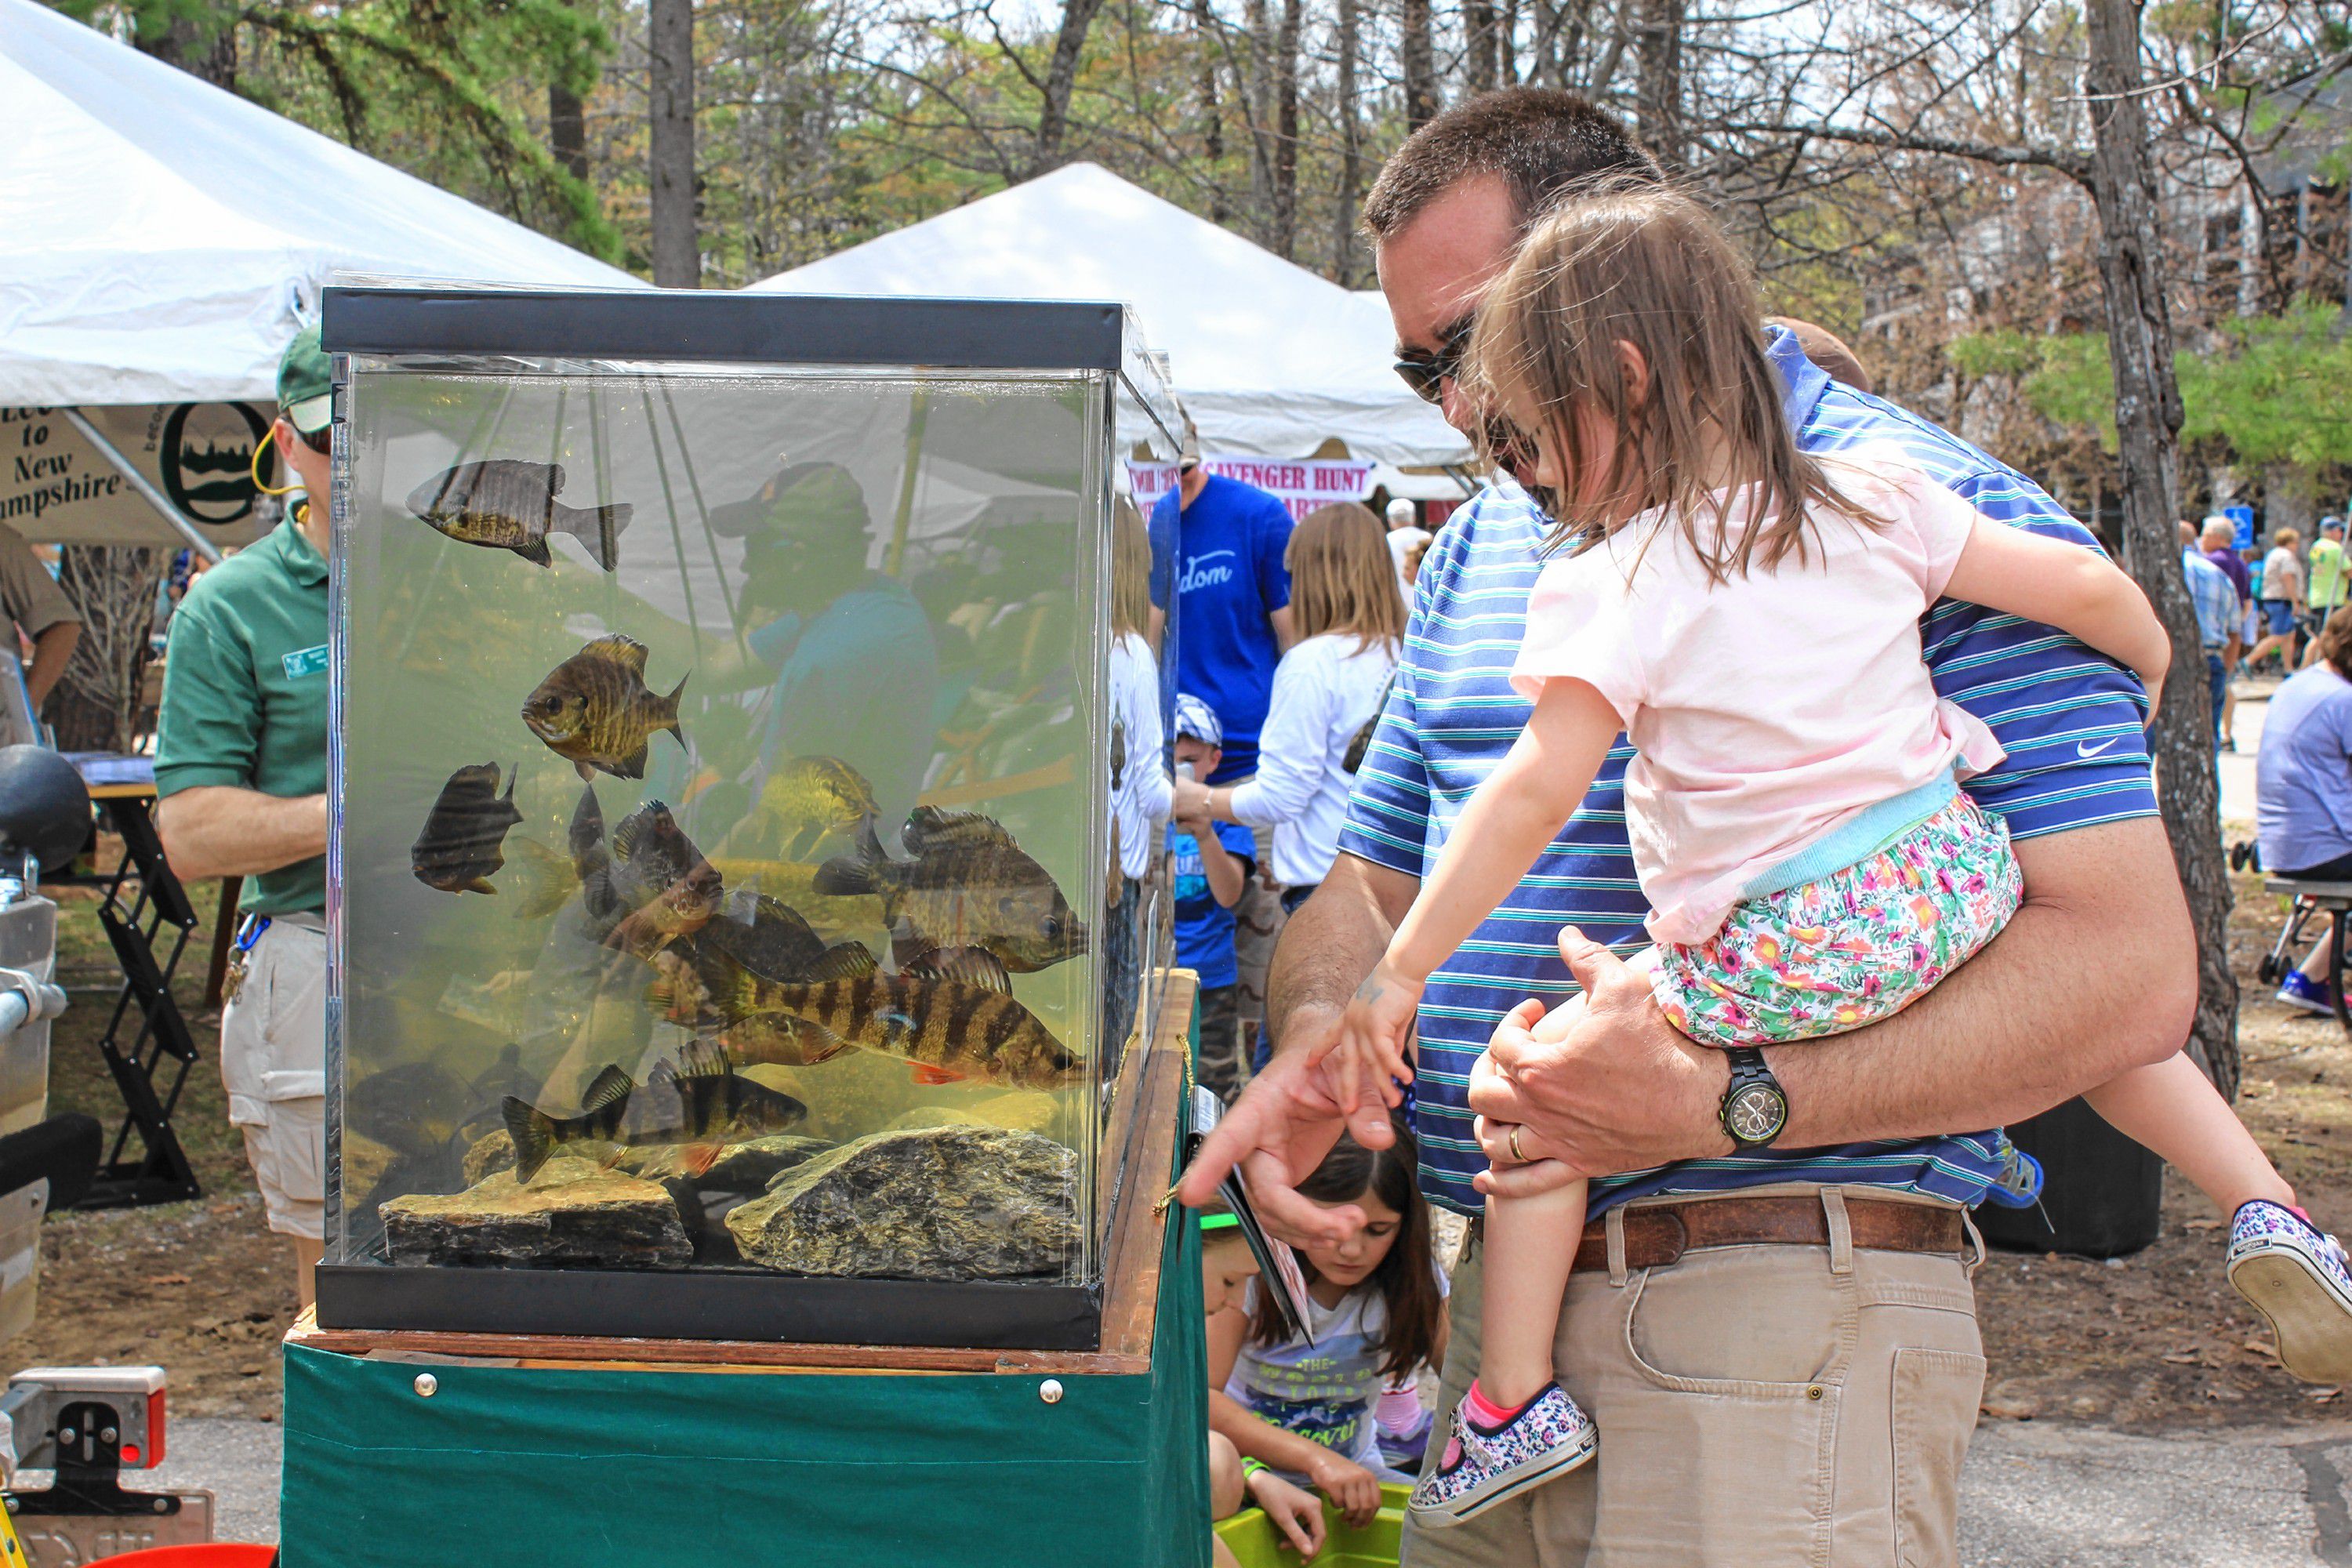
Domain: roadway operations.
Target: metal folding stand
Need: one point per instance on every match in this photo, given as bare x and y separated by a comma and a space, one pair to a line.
147, 1045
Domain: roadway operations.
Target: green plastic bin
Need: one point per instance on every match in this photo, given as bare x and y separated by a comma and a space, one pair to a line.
1254, 1542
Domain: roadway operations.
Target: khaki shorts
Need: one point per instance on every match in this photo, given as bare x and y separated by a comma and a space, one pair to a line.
274, 1066
1756, 1405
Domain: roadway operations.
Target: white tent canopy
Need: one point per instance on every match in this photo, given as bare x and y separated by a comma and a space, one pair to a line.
157, 232
1269, 358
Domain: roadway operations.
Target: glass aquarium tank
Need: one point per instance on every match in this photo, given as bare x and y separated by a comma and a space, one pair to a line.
723, 900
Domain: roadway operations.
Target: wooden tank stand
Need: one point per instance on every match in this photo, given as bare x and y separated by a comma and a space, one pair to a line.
428, 1448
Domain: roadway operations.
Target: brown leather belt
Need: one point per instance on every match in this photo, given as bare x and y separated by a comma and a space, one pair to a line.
1658, 1236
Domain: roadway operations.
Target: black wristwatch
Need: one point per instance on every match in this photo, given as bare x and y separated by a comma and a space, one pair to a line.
1755, 1108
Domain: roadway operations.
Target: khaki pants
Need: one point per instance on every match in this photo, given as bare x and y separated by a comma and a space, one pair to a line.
274, 1066
1764, 1406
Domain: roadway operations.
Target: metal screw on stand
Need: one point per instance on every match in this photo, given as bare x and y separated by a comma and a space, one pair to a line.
1050, 1391
426, 1386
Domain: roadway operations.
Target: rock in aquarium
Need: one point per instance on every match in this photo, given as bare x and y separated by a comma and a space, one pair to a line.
574, 1216
933, 1203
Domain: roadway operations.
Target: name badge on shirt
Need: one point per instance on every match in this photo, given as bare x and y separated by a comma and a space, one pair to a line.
306, 661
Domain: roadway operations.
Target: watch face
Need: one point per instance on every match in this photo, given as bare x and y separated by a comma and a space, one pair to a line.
1756, 1113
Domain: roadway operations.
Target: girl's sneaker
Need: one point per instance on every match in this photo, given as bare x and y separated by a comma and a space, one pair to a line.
2297, 1277
2298, 991
1549, 1437
2019, 1186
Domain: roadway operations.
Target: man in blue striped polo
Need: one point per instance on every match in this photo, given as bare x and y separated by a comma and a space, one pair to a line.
1771, 1320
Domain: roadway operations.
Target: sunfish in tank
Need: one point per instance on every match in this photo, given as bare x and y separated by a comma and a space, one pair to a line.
700, 1105
650, 887
596, 711
951, 1014
505, 504
460, 845
967, 884
814, 798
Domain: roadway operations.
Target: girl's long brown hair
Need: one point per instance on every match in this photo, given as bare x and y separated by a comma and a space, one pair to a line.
2334, 642
1649, 268
1342, 577
1407, 1277
1131, 570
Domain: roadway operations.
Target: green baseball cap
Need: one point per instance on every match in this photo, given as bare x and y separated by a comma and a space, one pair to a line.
306, 384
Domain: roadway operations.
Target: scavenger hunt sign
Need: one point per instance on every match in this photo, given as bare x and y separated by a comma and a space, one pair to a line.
55, 488
1302, 484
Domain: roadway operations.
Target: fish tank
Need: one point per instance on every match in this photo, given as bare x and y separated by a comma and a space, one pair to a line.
725, 933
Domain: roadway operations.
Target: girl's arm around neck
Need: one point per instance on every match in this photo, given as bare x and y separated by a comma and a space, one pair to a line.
2078, 591
1518, 810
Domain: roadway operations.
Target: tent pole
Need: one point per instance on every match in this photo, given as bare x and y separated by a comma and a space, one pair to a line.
139, 481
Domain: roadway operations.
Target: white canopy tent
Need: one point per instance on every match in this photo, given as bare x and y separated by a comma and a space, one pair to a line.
1268, 359
159, 241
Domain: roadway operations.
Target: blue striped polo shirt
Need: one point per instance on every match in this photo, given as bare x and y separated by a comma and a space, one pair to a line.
2070, 719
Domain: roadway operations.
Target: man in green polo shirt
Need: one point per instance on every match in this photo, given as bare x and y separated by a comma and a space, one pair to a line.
241, 780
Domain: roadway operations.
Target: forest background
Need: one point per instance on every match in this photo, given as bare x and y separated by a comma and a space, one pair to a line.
2023, 214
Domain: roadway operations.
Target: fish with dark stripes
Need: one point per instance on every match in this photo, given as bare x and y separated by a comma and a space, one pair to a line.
463, 839
699, 1105
596, 711
507, 504
966, 884
951, 1013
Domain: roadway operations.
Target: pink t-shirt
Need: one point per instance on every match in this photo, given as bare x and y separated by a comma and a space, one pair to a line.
1769, 711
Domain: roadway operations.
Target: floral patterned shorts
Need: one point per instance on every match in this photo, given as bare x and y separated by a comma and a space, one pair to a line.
1854, 947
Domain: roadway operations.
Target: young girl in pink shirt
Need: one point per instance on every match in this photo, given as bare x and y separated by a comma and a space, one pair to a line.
1749, 616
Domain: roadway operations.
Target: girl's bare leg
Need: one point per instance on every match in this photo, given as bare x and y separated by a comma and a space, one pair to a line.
2171, 1110
1530, 1246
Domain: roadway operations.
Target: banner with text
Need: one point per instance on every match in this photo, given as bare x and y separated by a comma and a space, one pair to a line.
1301, 484
58, 488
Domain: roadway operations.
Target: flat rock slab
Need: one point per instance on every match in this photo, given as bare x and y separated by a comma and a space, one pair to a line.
572, 1215
951, 1203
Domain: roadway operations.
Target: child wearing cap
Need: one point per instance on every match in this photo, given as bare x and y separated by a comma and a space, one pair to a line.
1213, 863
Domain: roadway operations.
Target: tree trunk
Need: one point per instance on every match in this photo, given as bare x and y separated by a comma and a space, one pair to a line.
1213, 115
1352, 147
2148, 427
1257, 102
1506, 43
670, 45
114, 586
1286, 130
1418, 56
1478, 44
1062, 79
567, 130
183, 42
1658, 102
2290, 499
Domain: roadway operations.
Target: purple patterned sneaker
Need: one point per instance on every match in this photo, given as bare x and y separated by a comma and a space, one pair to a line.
1549, 1437
2296, 1277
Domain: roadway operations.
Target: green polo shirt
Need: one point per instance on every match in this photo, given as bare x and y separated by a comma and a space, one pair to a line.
244, 694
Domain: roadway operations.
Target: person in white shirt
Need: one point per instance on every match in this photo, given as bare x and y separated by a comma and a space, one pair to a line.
1139, 784
1406, 536
1327, 691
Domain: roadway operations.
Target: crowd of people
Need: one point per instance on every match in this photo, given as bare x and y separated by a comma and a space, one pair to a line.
1678, 867
1749, 801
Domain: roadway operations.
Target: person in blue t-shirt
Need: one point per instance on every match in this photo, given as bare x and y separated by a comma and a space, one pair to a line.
1217, 549
1212, 862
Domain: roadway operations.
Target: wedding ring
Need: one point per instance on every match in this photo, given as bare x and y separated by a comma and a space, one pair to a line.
1517, 1158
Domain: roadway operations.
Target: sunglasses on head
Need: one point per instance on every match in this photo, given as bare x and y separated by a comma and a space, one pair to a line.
1423, 371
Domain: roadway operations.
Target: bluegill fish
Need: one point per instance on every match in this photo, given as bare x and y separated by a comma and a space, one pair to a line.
951, 1014
461, 842
811, 799
596, 711
699, 1105
505, 504
967, 884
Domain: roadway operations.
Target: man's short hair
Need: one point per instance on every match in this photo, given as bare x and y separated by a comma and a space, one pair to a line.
1539, 140
2220, 528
